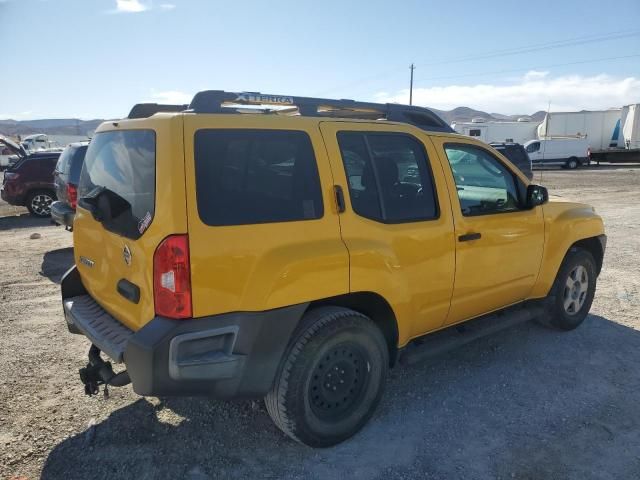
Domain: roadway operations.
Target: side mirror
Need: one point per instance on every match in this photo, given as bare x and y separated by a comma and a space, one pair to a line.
536, 195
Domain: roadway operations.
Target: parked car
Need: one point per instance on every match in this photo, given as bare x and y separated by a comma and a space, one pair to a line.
8, 149
29, 181
66, 177
517, 155
225, 252
567, 152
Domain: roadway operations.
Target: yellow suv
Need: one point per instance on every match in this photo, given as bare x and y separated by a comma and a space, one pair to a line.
293, 248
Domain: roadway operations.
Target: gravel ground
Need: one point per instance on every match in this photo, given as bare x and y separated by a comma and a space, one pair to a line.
527, 403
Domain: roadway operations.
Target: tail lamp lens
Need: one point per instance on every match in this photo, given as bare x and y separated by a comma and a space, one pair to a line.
72, 195
172, 278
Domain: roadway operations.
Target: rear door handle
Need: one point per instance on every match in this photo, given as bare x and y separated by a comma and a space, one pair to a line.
469, 236
339, 198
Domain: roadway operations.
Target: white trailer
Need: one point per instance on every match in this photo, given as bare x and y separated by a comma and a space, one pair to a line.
630, 123
518, 132
599, 127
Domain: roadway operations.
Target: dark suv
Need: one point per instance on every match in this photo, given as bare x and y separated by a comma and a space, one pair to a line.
516, 155
66, 177
29, 182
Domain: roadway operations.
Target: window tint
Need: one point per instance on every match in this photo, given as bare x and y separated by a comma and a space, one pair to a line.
63, 161
388, 175
533, 147
484, 184
123, 165
256, 176
75, 164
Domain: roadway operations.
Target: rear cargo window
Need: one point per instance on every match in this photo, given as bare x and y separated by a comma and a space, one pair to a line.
120, 173
256, 176
75, 164
70, 162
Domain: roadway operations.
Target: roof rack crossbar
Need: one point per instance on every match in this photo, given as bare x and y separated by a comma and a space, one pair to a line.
218, 101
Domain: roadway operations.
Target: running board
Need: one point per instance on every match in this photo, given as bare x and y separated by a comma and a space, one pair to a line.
437, 343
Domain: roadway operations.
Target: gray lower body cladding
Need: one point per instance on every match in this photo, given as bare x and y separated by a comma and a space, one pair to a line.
225, 356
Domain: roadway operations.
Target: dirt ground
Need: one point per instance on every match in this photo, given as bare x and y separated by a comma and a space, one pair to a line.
527, 403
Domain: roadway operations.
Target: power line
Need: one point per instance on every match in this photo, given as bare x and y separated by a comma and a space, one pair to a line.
497, 53
542, 46
565, 64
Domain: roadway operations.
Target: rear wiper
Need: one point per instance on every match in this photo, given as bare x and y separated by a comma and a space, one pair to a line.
90, 202
104, 204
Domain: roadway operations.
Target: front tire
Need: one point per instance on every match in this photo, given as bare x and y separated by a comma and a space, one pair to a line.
331, 379
573, 290
39, 203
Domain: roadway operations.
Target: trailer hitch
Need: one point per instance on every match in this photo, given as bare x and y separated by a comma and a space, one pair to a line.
98, 372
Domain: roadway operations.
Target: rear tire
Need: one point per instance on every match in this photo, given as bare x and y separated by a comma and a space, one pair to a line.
39, 203
331, 378
571, 295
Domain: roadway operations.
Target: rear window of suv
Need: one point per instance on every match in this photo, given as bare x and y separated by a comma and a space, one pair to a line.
122, 165
256, 176
70, 162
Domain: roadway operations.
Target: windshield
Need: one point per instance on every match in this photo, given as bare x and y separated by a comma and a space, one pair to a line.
123, 164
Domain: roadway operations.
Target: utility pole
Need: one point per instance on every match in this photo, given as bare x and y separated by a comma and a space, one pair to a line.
412, 67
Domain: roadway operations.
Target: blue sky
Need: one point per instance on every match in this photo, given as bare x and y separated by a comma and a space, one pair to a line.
96, 58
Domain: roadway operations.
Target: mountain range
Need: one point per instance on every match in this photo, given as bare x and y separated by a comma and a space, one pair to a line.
74, 126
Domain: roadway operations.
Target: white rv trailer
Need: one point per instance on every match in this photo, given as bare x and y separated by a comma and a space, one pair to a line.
599, 127
519, 132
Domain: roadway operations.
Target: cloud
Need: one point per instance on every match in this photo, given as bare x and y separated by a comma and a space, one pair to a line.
137, 6
528, 94
171, 97
131, 6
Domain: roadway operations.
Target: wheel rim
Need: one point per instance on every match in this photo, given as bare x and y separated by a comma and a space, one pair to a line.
575, 290
41, 204
572, 164
339, 381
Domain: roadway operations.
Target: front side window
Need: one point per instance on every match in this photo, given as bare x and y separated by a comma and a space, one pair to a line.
120, 169
256, 176
533, 147
389, 178
483, 183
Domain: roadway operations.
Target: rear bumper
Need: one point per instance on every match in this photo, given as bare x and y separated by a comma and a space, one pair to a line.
225, 356
62, 213
13, 192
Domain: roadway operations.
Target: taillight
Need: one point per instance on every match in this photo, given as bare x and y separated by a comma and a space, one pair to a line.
172, 278
11, 176
72, 195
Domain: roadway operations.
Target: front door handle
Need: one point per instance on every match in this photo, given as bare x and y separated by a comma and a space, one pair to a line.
469, 236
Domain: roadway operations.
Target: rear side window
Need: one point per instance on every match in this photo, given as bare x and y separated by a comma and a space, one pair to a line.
389, 177
256, 176
120, 171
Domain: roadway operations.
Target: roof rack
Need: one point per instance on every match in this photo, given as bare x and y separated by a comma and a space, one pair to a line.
145, 110
218, 101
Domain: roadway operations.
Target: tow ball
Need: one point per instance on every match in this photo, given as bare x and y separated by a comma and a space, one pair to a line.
98, 372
